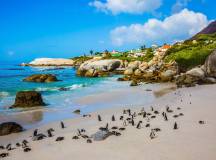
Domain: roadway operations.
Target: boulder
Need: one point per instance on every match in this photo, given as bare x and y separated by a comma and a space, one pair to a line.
91, 73
134, 83
209, 80
196, 72
101, 135
128, 71
28, 99
210, 65
143, 66
41, 78
77, 111
138, 72
10, 127
167, 75
134, 65
186, 80
101, 65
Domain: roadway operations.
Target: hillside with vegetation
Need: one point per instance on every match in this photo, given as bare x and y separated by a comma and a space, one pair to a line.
192, 52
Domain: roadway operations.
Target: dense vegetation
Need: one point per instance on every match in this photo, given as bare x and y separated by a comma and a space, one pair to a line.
192, 52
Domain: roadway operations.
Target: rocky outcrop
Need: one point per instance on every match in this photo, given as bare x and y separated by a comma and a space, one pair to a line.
28, 99
205, 74
210, 65
50, 62
10, 127
194, 76
41, 78
196, 72
96, 68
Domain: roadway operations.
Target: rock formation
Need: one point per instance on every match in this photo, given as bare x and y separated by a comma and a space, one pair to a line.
28, 99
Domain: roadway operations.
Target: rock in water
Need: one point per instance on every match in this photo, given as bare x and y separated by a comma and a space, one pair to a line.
28, 99
41, 78
10, 127
210, 65
101, 135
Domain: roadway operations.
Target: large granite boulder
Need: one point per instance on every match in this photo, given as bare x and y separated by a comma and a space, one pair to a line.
128, 71
28, 99
41, 78
91, 67
10, 127
167, 75
210, 65
134, 65
101, 65
196, 72
91, 73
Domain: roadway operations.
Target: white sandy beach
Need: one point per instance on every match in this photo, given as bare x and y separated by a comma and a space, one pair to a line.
192, 141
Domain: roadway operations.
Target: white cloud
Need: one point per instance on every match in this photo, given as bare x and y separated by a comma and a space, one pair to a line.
176, 27
179, 5
126, 6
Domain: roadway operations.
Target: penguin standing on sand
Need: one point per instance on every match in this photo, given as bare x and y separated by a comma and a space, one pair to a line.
49, 131
144, 114
175, 126
152, 134
132, 122
113, 118
165, 117
62, 125
99, 118
35, 132
139, 125
125, 123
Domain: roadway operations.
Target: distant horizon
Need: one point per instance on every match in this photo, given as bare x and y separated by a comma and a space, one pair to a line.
65, 29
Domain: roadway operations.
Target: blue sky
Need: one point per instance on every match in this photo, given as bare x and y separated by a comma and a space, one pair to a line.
66, 28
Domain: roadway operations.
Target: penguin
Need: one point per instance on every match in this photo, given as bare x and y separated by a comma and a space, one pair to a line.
62, 125
113, 118
124, 111
175, 126
152, 134
35, 132
152, 109
125, 123
89, 141
139, 125
121, 118
144, 114
132, 122
129, 112
99, 118
59, 139
49, 131
165, 117
27, 149
79, 132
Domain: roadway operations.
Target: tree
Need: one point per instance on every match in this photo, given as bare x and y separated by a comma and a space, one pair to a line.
143, 47
91, 52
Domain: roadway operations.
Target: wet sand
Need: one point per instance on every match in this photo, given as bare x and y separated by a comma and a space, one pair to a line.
191, 141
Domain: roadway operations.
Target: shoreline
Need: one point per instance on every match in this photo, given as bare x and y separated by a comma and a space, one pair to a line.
121, 95
168, 145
